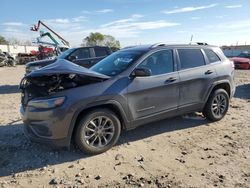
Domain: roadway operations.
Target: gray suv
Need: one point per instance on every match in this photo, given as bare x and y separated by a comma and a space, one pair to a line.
64, 102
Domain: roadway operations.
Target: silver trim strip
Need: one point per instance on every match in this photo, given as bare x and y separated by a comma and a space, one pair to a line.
148, 108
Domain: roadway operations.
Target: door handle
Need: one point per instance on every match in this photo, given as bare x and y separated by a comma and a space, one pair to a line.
208, 72
171, 79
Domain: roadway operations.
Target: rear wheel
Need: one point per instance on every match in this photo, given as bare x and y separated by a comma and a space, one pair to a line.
98, 131
217, 105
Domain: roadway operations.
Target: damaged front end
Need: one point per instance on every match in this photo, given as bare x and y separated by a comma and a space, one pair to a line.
56, 77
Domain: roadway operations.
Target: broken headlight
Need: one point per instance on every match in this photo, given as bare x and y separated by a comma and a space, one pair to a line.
47, 103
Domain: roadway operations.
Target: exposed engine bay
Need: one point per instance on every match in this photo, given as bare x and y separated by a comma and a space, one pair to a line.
56, 77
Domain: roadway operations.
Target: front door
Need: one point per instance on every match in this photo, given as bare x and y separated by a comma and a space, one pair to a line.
158, 92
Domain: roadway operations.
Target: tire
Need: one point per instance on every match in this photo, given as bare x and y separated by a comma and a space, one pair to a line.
13, 63
90, 139
215, 111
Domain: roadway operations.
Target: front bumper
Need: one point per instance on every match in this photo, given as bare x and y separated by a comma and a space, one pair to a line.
47, 126
31, 135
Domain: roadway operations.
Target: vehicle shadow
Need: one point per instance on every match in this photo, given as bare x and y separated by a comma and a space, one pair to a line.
242, 91
9, 89
18, 154
164, 126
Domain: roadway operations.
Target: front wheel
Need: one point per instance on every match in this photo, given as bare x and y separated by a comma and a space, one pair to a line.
217, 105
97, 131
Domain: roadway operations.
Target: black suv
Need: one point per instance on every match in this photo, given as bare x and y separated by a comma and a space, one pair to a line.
134, 86
84, 56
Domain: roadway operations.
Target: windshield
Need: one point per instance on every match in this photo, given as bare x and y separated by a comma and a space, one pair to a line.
245, 55
66, 53
116, 63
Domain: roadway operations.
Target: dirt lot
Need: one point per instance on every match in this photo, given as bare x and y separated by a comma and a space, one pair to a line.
179, 152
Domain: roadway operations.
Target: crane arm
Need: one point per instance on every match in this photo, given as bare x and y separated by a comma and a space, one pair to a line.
36, 28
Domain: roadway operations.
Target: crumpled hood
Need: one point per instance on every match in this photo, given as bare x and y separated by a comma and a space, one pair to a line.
240, 59
62, 66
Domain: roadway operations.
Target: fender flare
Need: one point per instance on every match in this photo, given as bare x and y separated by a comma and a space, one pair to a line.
97, 104
216, 84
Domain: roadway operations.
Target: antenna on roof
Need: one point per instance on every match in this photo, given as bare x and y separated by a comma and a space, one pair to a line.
191, 39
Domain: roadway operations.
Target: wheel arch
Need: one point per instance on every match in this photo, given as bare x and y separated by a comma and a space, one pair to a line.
220, 85
114, 106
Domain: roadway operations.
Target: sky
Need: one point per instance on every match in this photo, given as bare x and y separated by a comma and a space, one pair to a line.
132, 22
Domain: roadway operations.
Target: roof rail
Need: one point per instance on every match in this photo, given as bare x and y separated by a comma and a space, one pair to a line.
202, 43
126, 47
158, 44
199, 43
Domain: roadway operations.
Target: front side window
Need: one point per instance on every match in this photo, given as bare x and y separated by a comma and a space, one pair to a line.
81, 53
117, 62
211, 55
190, 58
159, 63
66, 53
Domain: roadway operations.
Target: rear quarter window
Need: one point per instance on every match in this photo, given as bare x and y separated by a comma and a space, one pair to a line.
190, 58
211, 55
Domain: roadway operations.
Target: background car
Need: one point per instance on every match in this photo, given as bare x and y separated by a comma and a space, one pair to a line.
6, 59
83, 56
242, 61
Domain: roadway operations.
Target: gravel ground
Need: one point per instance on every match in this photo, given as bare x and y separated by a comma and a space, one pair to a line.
178, 152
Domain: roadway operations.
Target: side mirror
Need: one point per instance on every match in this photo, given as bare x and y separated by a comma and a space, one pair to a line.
72, 58
141, 72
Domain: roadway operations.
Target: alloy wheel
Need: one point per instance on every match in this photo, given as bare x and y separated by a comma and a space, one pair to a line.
99, 131
219, 105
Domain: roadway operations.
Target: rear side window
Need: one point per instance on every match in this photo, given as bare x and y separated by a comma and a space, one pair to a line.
99, 52
211, 55
190, 58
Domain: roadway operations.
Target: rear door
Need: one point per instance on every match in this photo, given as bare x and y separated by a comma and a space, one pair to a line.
156, 93
196, 77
